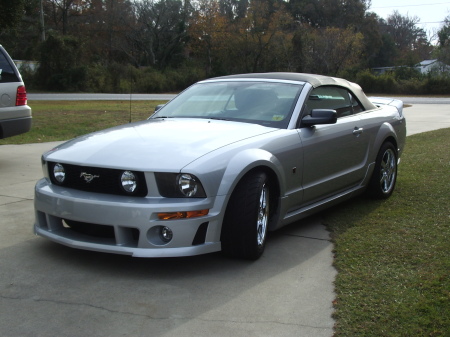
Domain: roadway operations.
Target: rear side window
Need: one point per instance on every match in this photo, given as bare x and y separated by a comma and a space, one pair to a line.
7, 73
335, 98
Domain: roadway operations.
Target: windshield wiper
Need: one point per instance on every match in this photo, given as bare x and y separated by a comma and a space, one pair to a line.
218, 118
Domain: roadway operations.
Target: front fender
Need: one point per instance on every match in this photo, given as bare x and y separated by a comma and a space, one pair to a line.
243, 162
222, 175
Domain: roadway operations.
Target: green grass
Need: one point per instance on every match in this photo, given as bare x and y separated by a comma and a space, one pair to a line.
393, 256
63, 120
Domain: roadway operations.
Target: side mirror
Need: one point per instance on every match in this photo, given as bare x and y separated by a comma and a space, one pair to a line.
320, 116
159, 106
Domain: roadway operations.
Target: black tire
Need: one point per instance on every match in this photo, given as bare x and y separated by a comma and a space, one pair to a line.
384, 176
244, 229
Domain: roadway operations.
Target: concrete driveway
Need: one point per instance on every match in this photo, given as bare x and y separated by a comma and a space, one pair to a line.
426, 117
51, 290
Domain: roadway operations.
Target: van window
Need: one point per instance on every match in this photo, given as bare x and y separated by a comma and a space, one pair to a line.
7, 73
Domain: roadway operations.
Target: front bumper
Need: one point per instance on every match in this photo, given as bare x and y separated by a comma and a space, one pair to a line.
132, 223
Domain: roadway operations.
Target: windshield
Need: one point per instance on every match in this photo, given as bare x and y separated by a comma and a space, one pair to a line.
265, 103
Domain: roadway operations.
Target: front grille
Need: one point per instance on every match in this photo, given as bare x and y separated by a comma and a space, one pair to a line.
104, 234
91, 229
103, 180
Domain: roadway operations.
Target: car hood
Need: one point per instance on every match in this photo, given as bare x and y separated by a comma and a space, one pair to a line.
157, 145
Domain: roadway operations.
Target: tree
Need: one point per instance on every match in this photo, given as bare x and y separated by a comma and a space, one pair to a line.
332, 50
209, 32
161, 32
10, 13
373, 40
60, 12
443, 50
410, 41
256, 42
444, 33
387, 54
21, 39
61, 64
103, 25
254, 35
329, 13
233, 9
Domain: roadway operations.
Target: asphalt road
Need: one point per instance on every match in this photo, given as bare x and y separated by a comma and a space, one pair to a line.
51, 290
100, 97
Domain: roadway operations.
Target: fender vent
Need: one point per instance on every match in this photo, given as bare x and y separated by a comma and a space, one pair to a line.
200, 236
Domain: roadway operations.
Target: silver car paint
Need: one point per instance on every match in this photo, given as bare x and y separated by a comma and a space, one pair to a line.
219, 153
138, 146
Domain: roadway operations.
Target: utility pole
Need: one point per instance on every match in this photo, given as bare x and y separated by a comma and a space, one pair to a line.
42, 21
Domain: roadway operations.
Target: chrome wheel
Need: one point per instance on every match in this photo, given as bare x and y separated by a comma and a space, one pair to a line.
246, 220
384, 175
263, 215
388, 171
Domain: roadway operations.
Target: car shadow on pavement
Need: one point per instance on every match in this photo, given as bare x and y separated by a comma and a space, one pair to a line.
51, 280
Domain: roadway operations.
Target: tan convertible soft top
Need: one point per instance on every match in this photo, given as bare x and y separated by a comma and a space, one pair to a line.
314, 80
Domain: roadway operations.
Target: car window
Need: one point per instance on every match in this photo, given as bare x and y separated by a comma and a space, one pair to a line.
335, 98
7, 73
266, 103
357, 107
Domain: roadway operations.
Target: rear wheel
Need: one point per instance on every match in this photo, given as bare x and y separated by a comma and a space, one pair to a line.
244, 229
384, 175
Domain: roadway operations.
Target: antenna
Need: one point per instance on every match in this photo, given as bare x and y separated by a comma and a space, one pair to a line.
131, 91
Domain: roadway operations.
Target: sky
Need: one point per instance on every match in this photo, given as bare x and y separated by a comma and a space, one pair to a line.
430, 12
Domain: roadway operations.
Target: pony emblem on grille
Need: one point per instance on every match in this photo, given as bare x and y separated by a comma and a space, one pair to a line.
88, 177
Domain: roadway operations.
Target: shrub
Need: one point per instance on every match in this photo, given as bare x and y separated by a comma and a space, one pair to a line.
410, 87
437, 85
384, 83
126, 78
403, 82
60, 66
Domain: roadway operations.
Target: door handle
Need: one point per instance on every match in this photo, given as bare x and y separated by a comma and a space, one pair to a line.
357, 131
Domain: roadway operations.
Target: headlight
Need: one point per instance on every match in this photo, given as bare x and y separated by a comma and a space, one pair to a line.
183, 185
187, 184
129, 181
59, 173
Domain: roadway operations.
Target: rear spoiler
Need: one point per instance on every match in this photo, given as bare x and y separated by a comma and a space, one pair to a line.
388, 101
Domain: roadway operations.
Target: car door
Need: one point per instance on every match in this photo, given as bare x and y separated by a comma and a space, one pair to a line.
335, 155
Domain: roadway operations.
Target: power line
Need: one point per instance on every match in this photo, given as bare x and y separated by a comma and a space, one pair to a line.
437, 3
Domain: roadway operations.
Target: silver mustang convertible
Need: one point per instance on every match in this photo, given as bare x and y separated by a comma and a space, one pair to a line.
219, 165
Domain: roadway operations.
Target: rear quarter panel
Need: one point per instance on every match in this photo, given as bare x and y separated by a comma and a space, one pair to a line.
383, 123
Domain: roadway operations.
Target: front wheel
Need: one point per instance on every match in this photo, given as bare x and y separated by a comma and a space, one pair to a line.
384, 176
244, 229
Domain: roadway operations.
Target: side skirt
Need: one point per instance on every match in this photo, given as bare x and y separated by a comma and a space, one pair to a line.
319, 206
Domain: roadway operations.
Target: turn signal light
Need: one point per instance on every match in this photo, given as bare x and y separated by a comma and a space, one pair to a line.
182, 215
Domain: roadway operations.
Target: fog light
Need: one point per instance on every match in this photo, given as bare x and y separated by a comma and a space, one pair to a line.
166, 234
